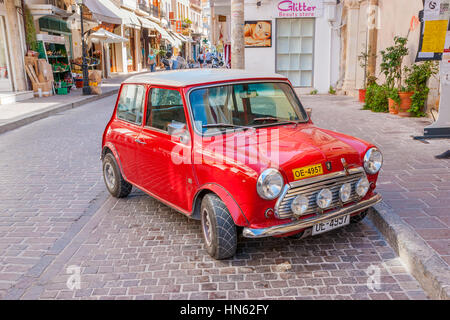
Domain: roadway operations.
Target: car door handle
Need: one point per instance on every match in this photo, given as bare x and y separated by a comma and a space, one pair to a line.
139, 141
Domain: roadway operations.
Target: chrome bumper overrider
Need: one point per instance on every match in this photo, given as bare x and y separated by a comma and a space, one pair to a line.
309, 222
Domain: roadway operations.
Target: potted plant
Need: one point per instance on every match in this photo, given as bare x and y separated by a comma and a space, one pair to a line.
376, 97
364, 62
417, 79
391, 67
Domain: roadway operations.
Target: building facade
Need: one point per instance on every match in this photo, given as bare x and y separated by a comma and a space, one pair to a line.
370, 26
299, 39
13, 81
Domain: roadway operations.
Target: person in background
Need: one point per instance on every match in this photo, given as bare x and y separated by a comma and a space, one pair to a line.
201, 59
167, 62
181, 61
152, 60
208, 58
174, 63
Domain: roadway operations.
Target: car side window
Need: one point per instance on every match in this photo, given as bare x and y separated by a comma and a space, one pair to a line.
165, 106
131, 103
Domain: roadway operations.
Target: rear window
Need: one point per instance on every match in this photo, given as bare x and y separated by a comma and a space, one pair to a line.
131, 103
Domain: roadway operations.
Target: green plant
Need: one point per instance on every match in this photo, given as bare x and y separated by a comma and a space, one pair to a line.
417, 79
332, 90
393, 94
30, 37
392, 60
377, 98
363, 59
314, 92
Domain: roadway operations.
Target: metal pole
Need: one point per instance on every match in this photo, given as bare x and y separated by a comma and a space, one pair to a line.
237, 34
84, 66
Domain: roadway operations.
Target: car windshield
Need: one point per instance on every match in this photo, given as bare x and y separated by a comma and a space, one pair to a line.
245, 105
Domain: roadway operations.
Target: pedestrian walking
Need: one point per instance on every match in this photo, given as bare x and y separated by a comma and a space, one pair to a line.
166, 61
201, 59
181, 61
208, 58
152, 60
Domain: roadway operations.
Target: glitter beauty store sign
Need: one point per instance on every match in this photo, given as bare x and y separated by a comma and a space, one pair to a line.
299, 9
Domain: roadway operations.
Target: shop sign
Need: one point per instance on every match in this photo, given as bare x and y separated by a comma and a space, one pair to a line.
299, 8
50, 38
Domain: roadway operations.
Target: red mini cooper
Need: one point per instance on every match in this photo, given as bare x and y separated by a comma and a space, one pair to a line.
239, 152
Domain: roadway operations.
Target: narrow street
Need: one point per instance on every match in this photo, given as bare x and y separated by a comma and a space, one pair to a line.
56, 216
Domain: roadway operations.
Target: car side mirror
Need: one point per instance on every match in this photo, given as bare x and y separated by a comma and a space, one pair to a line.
178, 132
308, 112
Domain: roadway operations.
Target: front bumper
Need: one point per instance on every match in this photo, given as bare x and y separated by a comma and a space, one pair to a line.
309, 222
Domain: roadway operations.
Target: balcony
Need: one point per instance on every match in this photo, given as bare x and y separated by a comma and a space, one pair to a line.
149, 8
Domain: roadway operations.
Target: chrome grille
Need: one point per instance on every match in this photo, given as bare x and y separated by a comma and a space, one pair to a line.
311, 187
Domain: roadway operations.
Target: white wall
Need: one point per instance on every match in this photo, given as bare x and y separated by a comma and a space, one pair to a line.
326, 48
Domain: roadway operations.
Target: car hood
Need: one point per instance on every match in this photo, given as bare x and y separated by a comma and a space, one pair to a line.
286, 147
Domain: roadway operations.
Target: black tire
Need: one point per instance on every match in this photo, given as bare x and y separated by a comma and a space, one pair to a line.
359, 217
219, 230
114, 181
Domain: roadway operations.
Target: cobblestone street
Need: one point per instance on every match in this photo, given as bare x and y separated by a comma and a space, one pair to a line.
414, 184
56, 214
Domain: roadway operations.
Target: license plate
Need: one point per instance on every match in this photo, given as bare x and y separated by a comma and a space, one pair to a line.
306, 172
330, 225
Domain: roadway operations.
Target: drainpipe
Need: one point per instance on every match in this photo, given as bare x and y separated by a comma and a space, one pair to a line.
372, 25
22, 3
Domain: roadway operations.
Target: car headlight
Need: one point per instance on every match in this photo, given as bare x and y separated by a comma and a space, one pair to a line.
373, 160
345, 192
324, 198
362, 187
269, 184
299, 205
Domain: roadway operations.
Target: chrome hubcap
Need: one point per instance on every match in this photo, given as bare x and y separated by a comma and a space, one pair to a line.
110, 178
206, 223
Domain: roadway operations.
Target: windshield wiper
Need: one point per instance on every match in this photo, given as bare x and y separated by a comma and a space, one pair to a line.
225, 125
274, 119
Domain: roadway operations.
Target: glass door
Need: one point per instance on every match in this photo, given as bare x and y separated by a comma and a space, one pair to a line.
295, 43
5, 76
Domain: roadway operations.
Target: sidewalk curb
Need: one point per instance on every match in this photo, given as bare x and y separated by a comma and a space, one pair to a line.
421, 261
45, 113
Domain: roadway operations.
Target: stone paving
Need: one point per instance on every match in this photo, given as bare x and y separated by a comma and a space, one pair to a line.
412, 182
56, 217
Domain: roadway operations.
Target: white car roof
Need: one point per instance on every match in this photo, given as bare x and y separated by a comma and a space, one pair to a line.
188, 77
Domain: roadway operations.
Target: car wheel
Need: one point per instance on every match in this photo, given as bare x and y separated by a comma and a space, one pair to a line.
219, 230
359, 217
114, 181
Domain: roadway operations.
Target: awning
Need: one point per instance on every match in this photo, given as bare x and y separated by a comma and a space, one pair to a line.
162, 31
147, 23
102, 35
101, 12
176, 41
128, 18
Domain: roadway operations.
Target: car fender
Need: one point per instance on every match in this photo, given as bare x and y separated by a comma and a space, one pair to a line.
110, 146
235, 210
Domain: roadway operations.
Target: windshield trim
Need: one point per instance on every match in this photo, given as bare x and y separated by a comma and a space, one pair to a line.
191, 115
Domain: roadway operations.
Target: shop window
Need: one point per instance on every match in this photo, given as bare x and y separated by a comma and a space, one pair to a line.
295, 43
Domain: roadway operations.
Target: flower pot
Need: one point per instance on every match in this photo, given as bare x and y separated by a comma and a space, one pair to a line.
393, 106
405, 104
362, 95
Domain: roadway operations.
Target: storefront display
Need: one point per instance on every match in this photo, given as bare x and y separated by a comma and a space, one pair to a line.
53, 49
